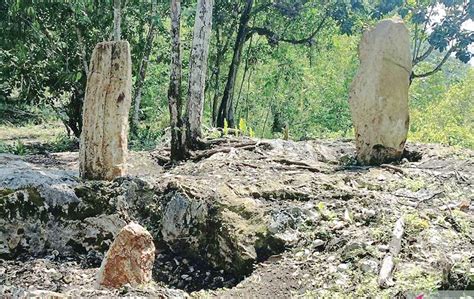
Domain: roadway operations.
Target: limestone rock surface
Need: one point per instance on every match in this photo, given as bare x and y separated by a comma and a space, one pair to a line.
130, 258
379, 93
44, 208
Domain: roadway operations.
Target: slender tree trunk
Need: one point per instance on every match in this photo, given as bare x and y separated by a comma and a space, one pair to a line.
82, 47
246, 68
197, 72
247, 108
221, 50
178, 150
226, 109
117, 20
80, 41
216, 72
143, 67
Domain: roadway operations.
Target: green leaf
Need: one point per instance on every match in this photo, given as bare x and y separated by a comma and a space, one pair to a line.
242, 126
251, 133
30, 11
78, 76
226, 127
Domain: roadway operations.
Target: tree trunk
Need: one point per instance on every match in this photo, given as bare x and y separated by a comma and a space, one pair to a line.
226, 110
246, 68
117, 20
178, 149
74, 113
216, 73
103, 151
82, 47
221, 50
197, 72
142, 69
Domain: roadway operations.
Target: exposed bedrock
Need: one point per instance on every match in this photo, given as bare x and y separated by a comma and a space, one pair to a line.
42, 210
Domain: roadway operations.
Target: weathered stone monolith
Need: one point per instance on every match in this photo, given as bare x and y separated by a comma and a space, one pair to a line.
379, 93
103, 150
129, 260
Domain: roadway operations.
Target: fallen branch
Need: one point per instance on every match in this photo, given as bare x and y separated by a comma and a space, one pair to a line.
298, 164
394, 168
351, 168
197, 156
219, 141
428, 198
457, 227
385, 275
160, 159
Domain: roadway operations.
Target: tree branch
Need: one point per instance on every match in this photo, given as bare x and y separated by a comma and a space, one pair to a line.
82, 47
272, 35
117, 20
438, 67
258, 9
423, 56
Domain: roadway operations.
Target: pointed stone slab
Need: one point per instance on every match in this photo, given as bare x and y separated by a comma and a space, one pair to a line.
379, 93
129, 259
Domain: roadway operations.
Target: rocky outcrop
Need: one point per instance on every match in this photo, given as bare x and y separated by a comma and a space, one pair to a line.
103, 153
227, 222
236, 208
379, 93
44, 209
129, 259
222, 228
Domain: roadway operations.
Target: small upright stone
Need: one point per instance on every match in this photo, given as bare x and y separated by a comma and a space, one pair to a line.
130, 258
103, 148
379, 93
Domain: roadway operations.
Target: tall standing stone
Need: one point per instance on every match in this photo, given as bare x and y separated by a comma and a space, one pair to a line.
379, 93
103, 150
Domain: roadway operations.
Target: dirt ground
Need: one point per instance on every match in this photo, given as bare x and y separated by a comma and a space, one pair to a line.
337, 219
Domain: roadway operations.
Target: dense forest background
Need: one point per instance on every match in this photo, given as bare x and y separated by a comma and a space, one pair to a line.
284, 66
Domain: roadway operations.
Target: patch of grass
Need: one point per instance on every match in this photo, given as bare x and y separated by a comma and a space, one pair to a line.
15, 148
63, 143
459, 276
415, 279
464, 223
368, 287
382, 232
326, 214
414, 184
414, 224
33, 139
20, 115
145, 137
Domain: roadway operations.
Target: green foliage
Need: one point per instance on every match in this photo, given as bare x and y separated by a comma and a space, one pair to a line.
63, 143
22, 114
281, 86
242, 126
438, 27
447, 116
414, 224
251, 133
306, 88
417, 279
17, 148
145, 137
226, 128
